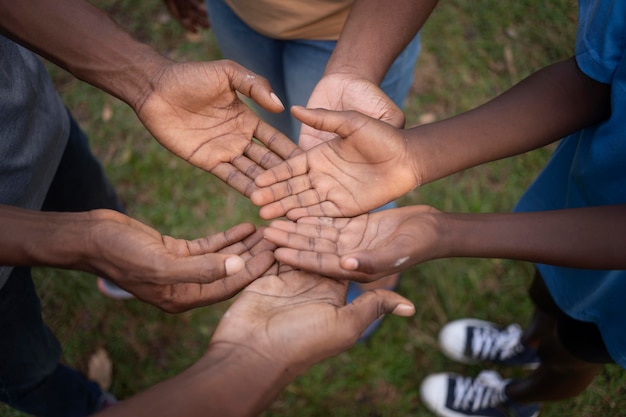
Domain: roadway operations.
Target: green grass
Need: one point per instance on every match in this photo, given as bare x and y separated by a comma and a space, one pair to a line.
473, 50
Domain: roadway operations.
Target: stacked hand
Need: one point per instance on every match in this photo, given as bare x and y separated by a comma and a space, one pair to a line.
294, 319
368, 166
175, 274
342, 92
363, 248
194, 111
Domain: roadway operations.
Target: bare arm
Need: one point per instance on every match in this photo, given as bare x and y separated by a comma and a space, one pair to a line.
84, 40
374, 35
541, 109
277, 328
331, 178
172, 274
190, 108
371, 246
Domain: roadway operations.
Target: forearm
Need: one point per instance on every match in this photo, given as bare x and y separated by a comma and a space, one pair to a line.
374, 35
592, 237
83, 39
32, 238
225, 382
541, 109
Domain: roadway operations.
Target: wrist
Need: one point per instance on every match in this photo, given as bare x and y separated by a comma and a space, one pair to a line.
34, 238
248, 380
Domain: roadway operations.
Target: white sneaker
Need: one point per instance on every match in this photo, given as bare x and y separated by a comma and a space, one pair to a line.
453, 395
472, 341
111, 290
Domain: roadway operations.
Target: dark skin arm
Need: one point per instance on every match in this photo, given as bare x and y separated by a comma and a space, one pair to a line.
192, 109
372, 163
374, 34
172, 274
277, 328
370, 246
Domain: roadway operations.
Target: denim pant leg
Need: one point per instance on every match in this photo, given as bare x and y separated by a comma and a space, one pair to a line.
31, 378
261, 54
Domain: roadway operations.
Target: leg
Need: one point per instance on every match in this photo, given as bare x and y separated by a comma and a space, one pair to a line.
571, 352
80, 183
31, 378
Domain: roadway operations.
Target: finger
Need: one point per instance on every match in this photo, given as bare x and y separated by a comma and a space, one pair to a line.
251, 246
276, 141
255, 87
263, 158
298, 165
187, 296
199, 269
384, 260
234, 178
308, 230
306, 203
373, 304
324, 209
300, 242
218, 241
281, 190
326, 264
343, 123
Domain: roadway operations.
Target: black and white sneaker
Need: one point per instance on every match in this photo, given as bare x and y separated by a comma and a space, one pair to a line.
473, 341
452, 395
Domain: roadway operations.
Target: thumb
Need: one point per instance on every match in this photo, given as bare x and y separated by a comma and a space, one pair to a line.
385, 260
343, 123
255, 87
204, 269
371, 305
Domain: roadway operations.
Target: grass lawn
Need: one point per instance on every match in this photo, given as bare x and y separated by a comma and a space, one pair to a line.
472, 51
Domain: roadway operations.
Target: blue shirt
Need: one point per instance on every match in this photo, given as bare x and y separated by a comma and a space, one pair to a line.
588, 168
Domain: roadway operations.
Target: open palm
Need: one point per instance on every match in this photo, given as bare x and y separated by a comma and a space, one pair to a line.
362, 248
194, 111
368, 166
346, 92
300, 318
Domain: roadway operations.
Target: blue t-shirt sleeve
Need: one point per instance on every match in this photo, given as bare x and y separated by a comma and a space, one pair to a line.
600, 37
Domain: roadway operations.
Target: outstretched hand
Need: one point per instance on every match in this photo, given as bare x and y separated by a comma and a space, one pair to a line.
363, 248
348, 92
368, 166
295, 319
175, 274
194, 111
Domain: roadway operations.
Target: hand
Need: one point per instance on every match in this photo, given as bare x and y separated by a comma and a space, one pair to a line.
363, 248
368, 166
191, 14
347, 92
193, 110
295, 319
175, 274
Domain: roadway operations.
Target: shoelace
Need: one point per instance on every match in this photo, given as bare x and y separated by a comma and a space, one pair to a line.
486, 390
492, 343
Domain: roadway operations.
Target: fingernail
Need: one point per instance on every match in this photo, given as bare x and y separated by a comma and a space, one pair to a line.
277, 100
404, 310
233, 265
351, 264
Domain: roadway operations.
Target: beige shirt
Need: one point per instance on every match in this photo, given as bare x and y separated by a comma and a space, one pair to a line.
294, 19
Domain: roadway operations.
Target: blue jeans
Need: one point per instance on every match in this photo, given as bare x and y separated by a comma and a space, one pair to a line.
293, 67
31, 378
